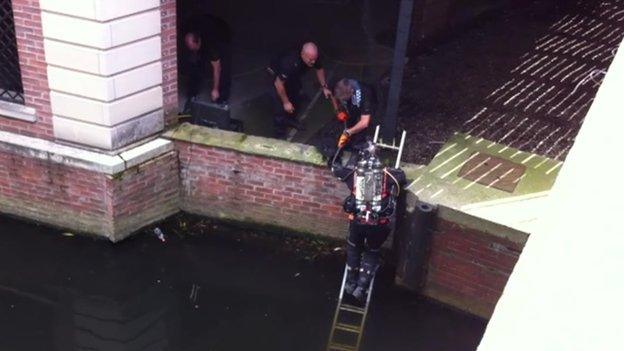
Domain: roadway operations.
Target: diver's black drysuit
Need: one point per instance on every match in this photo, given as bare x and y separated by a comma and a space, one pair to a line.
367, 234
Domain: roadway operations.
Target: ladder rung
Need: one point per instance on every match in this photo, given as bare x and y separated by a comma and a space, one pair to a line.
341, 347
348, 327
389, 146
352, 308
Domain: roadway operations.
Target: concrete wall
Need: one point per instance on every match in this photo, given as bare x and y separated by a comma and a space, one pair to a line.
96, 73
104, 70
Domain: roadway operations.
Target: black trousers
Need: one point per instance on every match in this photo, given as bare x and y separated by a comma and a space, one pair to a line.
364, 245
280, 117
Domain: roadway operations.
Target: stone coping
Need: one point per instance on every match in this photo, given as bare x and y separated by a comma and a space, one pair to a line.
81, 158
247, 144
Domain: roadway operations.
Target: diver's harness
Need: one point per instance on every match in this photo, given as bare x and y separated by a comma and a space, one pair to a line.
371, 202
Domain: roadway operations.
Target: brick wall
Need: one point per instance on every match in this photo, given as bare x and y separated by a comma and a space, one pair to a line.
468, 268
144, 194
228, 184
88, 201
169, 59
51, 192
27, 15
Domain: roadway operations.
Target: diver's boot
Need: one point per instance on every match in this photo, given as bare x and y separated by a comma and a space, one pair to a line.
365, 277
351, 281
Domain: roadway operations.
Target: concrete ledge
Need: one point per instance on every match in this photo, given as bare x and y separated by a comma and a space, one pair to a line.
482, 225
247, 144
145, 152
17, 111
84, 159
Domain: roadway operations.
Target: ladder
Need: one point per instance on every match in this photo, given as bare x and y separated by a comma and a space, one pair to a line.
398, 149
351, 330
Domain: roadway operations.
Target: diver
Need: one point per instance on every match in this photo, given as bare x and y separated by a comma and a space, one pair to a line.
372, 214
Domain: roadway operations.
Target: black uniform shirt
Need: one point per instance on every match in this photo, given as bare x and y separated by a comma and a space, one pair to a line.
362, 103
290, 66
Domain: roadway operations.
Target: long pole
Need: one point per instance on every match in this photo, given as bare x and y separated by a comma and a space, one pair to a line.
389, 126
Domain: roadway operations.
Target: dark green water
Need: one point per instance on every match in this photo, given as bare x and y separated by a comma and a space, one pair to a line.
208, 287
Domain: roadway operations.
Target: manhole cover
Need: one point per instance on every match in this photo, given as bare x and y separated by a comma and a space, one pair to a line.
493, 171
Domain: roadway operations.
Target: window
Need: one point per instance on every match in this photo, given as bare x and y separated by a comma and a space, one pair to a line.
11, 88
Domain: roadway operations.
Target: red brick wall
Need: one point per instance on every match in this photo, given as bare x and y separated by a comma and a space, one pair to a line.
169, 59
145, 193
224, 183
27, 16
49, 192
469, 268
88, 201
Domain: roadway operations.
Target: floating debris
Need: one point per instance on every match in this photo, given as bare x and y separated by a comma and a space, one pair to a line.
160, 235
297, 274
68, 234
194, 294
336, 249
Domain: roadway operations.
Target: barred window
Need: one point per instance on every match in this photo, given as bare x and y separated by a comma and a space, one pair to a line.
11, 88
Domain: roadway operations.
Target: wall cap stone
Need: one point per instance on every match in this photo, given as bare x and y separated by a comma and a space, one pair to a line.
247, 144
80, 158
499, 230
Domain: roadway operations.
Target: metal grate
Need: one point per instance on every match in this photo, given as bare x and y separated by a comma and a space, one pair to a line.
493, 171
10, 77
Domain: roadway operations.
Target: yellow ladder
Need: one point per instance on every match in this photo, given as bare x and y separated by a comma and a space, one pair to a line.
351, 330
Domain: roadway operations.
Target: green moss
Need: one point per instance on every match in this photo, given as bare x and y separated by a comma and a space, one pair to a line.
248, 144
117, 176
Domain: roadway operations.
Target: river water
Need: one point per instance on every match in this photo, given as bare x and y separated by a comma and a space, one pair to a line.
209, 286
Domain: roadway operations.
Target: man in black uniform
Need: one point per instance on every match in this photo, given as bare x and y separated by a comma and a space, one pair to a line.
286, 71
206, 40
372, 214
359, 102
